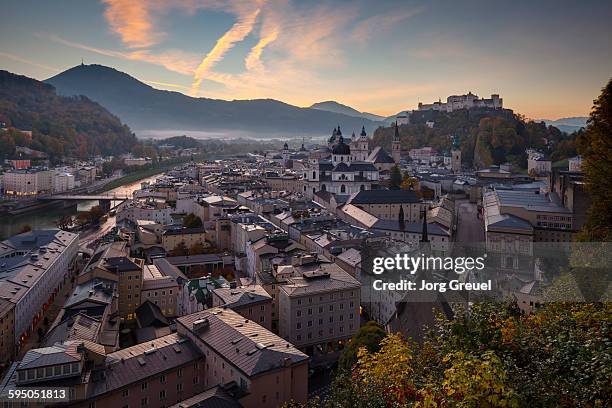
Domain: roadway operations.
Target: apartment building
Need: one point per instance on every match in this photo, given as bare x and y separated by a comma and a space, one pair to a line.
7, 326
34, 266
149, 210
89, 313
162, 283
252, 302
319, 308
171, 238
112, 262
269, 370
23, 183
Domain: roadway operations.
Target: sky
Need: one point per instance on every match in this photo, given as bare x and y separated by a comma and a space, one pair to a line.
547, 59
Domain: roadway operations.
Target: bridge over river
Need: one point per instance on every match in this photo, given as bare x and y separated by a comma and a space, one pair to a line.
85, 197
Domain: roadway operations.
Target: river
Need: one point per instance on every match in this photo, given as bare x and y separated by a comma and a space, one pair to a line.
48, 218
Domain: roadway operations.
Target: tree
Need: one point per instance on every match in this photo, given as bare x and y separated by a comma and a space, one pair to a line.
494, 357
64, 222
595, 146
192, 221
95, 214
395, 178
368, 336
180, 250
197, 249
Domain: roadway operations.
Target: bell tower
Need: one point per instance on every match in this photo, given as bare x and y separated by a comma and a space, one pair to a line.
396, 148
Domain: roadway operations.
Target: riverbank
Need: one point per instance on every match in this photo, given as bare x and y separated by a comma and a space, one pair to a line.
143, 174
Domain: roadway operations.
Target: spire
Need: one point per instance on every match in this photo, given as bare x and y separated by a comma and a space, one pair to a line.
363, 132
424, 237
339, 131
353, 135
396, 135
402, 223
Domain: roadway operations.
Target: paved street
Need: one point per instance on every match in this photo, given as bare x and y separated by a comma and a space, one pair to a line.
470, 228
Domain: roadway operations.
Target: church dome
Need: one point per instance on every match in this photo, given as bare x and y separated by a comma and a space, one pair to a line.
341, 148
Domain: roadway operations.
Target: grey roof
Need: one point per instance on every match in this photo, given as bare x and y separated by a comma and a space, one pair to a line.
248, 346
413, 227
46, 356
325, 166
185, 231
362, 166
123, 367
149, 314
242, 296
380, 155
385, 197
341, 167
530, 200
97, 290
508, 221
214, 397
324, 277
194, 259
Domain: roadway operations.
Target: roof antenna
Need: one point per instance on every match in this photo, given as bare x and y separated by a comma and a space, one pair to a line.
82, 62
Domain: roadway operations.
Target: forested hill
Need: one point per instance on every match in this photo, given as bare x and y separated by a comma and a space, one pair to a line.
61, 126
486, 136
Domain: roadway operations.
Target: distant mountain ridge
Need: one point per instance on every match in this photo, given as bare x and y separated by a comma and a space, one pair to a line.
568, 125
143, 107
333, 106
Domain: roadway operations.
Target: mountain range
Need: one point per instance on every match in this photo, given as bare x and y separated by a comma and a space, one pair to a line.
567, 125
333, 106
145, 108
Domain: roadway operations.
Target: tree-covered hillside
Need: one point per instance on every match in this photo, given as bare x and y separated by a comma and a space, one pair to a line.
61, 126
486, 136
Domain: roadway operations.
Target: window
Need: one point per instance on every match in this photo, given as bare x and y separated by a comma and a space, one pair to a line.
144, 402
196, 380
48, 371
179, 387
144, 386
125, 393
162, 394
40, 373
162, 379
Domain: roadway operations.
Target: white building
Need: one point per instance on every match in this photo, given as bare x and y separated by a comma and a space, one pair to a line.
62, 182
27, 183
467, 101
539, 164
34, 266
135, 210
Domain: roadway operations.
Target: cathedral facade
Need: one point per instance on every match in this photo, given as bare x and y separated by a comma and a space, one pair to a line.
348, 167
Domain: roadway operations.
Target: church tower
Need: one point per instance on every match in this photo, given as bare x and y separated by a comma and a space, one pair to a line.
285, 154
456, 156
360, 147
395, 146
